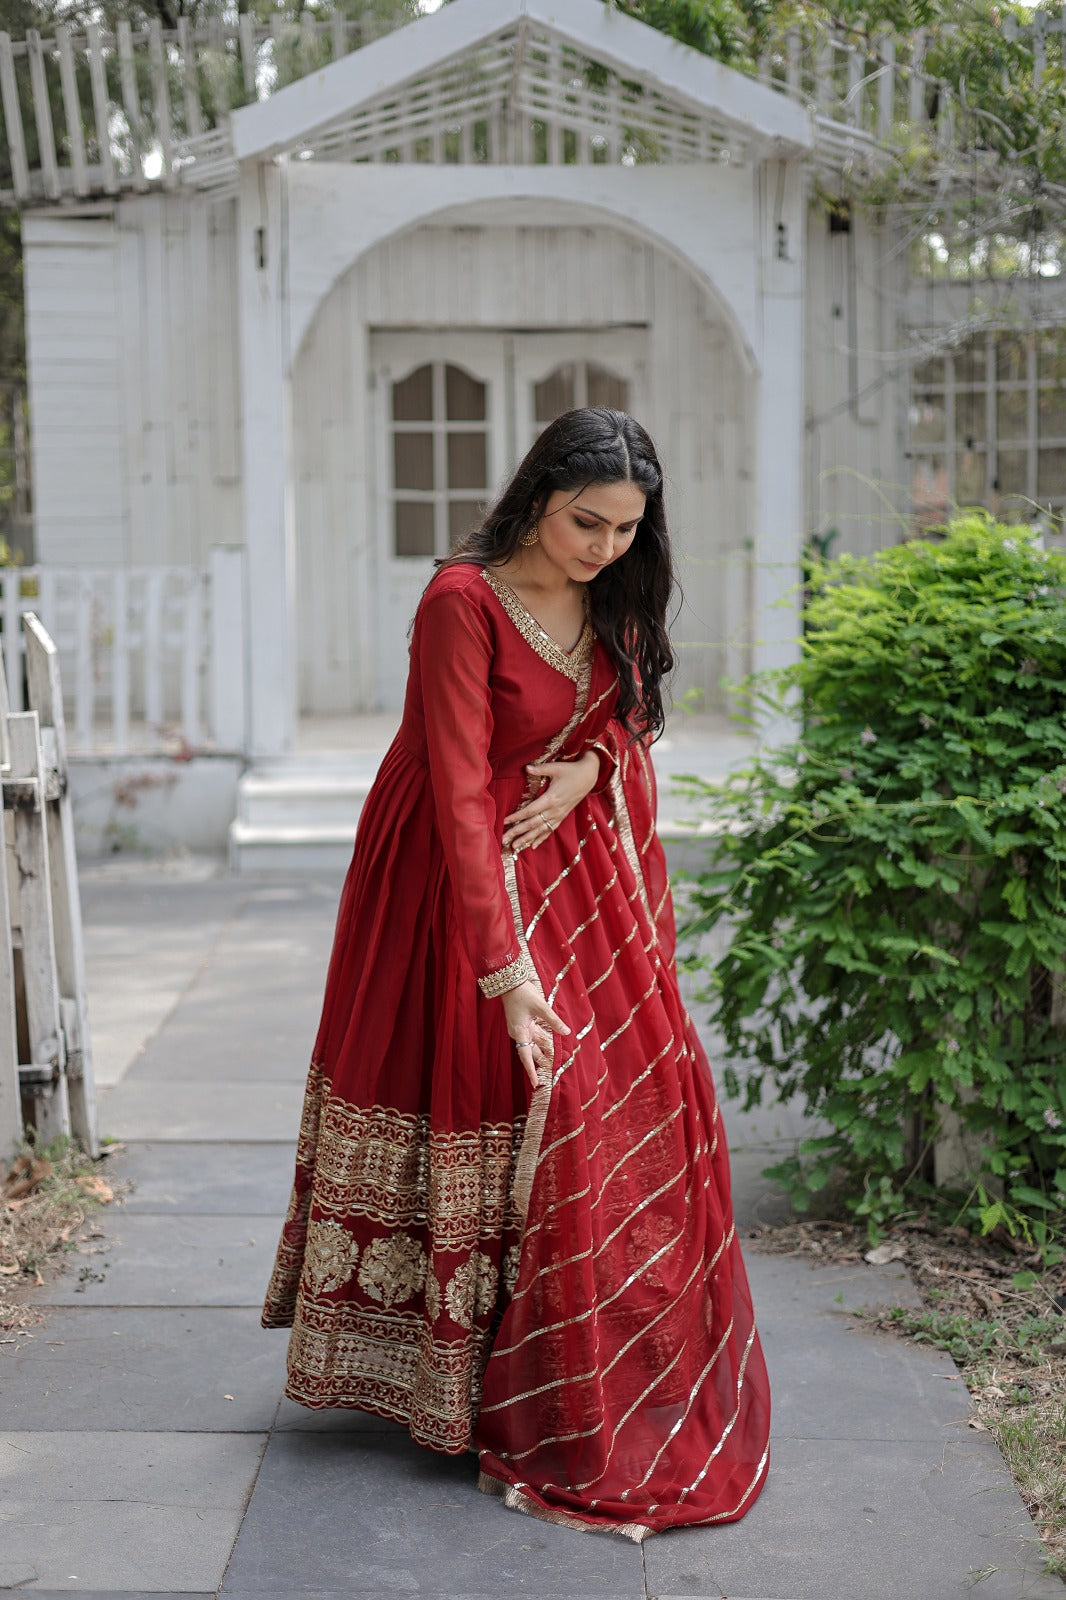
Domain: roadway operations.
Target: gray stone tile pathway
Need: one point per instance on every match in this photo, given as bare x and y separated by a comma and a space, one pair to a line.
148, 1451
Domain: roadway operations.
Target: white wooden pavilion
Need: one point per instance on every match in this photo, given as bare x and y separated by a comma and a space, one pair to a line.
277, 363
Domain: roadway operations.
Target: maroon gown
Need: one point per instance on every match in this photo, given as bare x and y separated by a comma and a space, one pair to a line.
552, 1279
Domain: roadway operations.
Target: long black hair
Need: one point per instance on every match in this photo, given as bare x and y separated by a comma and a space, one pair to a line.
628, 601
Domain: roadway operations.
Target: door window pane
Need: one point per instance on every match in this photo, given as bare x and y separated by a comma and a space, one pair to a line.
440, 458
1051, 413
606, 389
1051, 473
412, 455
928, 419
1012, 413
969, 363
412, 398
464, 396
414, 528
556, 394
969, 418
463, 517
467, 460
970, 478
1051, 356
1012, 359
1012, 472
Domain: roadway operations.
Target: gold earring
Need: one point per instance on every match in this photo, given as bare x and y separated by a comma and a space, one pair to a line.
530, 537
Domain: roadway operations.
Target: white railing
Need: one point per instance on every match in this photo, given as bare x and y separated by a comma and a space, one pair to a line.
152, 658
94, 112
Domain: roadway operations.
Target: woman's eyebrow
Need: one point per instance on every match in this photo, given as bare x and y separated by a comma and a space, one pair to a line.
588, 511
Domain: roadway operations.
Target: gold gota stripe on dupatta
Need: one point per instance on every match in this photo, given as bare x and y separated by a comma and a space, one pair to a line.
571, 1322
537, 1115
515, 1500
624, 828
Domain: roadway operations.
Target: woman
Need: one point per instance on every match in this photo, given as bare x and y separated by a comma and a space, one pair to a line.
511, 1228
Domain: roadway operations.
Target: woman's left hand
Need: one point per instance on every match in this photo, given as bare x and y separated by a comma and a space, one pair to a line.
566, 785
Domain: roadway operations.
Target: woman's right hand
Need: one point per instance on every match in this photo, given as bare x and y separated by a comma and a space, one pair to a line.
531, 1021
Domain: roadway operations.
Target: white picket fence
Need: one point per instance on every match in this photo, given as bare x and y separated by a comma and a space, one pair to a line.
46, 1076
152, 657
93, 112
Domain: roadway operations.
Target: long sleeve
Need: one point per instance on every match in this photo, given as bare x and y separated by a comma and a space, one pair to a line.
453, 645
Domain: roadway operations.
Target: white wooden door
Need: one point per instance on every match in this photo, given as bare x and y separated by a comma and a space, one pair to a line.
554, 372
440, 453
455, 411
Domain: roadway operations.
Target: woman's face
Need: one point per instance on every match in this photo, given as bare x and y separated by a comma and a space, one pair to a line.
583, 531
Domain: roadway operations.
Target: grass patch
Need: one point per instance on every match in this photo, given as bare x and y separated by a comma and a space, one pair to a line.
47, 1200
1003, 1322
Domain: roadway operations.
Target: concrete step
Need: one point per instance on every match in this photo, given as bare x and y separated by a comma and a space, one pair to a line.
295, 848
320, 800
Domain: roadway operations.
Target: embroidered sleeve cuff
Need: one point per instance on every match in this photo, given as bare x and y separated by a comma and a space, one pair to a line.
509, 977
607, 762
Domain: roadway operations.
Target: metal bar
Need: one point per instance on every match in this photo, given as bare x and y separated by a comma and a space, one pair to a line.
191, 658
217, 45
11, 579
152, 646
886, 87
246, 36
46, 699
120, 663
131, 102
83, 660
16, 138
161, 99
916, 107
72, 110
11, 1132
194, 119
101, 108
339, 33
42, 111
40, 977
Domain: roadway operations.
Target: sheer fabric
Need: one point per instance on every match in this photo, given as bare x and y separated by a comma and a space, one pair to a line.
553, 1279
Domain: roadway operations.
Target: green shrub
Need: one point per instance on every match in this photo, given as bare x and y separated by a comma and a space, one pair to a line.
893, 880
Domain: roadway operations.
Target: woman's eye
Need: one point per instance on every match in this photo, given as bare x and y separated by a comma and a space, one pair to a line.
588, 526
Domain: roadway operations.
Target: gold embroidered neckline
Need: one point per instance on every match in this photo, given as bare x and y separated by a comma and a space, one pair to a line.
569, 662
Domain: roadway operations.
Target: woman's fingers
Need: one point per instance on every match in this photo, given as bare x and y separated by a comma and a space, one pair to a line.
530, 827
547, 1018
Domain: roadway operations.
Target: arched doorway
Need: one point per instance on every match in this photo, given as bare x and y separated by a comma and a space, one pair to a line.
429, 369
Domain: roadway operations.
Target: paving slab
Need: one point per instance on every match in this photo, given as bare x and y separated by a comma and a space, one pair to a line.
291, 1418
821, 1358
250, 1014
367, 1513
122, 1511
880, 1520
130, 999
248, 1113
238, 1179
172, 1261
192, 1047
145, 1371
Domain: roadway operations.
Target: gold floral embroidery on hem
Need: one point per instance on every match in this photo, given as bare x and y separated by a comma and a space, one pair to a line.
330, 1256
471, 1292
392, 1169
393, 1269
569, 663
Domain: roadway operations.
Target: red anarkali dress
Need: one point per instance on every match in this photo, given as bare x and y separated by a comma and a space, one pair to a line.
552, 1279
